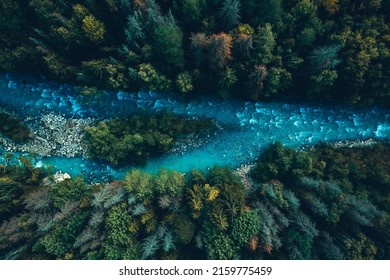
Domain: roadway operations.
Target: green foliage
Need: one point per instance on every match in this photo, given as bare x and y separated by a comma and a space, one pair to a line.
184, 82
152, 79
219, 245
184, 229
70, 190
133, 140
270, 227
228, 79
114, 252
12, 128
191, 10
120, 243
230, 13
134, 29
219, 218
323, 204
93, 28
245, 227
361, 248
299, 245
144, 44
270, 10
263, 44
337, 210
111, 73
117, 225
59, 241
279, 161
168, 44
150, 245
10, 19
10, 192
169, 182
223, 175
139, 184
325, 57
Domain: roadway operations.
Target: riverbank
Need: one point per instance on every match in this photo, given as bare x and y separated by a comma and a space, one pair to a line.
52, 135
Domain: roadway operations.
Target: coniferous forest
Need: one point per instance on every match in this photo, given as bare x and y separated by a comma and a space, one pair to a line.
322, 204
327, 50
322, 201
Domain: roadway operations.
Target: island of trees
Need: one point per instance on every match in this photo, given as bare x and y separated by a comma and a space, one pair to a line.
135, 139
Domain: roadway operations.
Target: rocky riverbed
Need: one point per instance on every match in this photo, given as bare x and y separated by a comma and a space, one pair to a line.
52, 135
243, 173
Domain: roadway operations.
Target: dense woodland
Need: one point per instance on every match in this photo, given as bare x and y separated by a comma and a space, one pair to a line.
325, 203
322, 203
329, 50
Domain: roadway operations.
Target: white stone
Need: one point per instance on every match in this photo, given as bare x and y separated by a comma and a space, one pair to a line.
59, 177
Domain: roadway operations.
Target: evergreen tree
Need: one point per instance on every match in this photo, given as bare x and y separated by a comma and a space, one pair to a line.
230, 13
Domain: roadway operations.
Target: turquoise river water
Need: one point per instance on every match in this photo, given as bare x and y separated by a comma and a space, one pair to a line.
246, 128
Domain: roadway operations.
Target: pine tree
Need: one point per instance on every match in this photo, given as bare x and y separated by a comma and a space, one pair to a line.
154, 18
269, 229
230, 13
85, 236
150, 246
168, 241
38, 200
96, 218
139, 209
219, 219
168, 43
100, 197
317, 206
361, 210
258, 76
292, 199
325, 57
116, 197
66, 210
305, 225
134, 30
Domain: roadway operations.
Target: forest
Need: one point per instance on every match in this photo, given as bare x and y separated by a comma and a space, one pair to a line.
322, 203
295, 50
317, 202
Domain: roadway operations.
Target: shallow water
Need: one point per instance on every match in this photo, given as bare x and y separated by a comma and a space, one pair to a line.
247, 128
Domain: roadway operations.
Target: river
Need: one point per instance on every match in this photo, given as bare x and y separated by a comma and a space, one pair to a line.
246, 128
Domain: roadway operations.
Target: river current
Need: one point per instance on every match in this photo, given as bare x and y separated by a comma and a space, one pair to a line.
246, 128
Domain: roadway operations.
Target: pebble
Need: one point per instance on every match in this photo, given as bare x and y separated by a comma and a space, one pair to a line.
53, 135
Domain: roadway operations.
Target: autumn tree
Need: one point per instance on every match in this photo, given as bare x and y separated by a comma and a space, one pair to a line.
220, 50
199, 44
